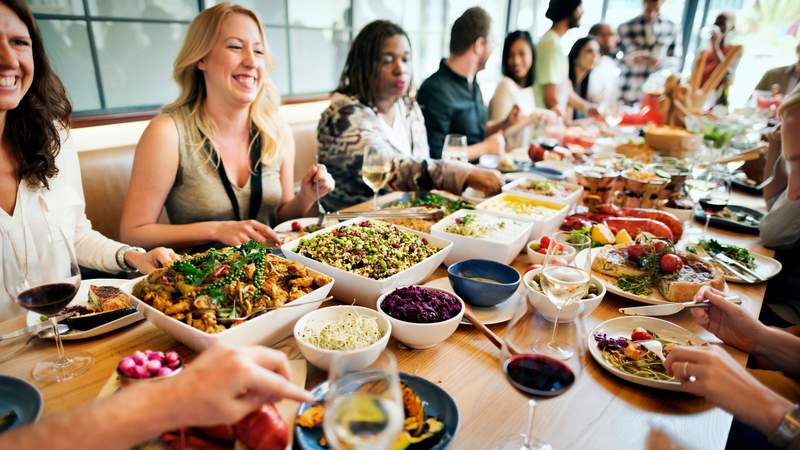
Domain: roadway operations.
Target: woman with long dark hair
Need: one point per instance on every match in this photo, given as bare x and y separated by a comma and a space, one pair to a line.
373, 107
40, 180
582, 58
515, 89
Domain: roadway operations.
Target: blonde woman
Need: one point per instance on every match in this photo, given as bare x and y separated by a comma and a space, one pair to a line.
219, 158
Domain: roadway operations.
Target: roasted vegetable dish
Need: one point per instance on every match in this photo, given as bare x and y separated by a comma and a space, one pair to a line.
211, 290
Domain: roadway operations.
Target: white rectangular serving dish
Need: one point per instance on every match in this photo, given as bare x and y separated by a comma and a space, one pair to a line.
503, 248
365, 291
266, 329
571, 199
541, 225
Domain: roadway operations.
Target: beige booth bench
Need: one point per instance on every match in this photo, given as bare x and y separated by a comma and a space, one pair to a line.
107, 171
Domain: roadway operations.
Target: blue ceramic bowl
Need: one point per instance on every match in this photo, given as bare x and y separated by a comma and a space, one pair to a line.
483, 294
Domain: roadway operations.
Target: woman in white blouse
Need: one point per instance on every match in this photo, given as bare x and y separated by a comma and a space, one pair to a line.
40, 185
516, 90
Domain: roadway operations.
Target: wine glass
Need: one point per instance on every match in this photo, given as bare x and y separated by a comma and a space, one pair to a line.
455, 148
42, 275
364, 407
612, 114
375, 169
536, 374
716, 199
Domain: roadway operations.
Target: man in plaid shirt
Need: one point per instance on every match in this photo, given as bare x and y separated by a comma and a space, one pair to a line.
646, 41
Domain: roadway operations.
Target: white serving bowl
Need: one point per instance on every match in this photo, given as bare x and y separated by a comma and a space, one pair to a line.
570, 199
356, 359
538, 258
541, 225
423, 335
365, 291
500, 246
266, 329
548, 310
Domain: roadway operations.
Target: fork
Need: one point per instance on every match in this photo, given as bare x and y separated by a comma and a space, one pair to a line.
320, 209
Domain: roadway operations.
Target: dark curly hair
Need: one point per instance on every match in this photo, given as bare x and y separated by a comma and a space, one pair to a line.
360, 72
32, 128
512, 37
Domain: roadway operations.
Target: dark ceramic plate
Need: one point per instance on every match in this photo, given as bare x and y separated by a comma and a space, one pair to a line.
437, 403
732, 225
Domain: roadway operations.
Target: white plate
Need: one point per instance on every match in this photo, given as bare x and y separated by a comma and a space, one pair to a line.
365, 291
82, 298
622, 327
487, 316
765, 266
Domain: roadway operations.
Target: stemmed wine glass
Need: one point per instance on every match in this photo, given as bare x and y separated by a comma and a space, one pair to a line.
711, 189
42, 275
455, 148
375, 170
364, 406
536, 374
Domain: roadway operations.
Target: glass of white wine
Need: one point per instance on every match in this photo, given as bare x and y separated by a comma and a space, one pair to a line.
364, 408
375, 170
455, 148
562, 285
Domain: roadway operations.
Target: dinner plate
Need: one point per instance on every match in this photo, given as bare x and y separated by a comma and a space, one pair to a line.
22, 398
503, 312
765, 266
732, 225
738, 183
82, 298
437, 402
622, 327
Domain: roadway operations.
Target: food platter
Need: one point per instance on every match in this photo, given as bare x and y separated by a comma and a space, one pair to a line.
730, 224
437, 402
82, 298
622, 326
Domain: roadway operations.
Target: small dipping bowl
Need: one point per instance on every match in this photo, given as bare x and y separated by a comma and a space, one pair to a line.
483, 294
127, 381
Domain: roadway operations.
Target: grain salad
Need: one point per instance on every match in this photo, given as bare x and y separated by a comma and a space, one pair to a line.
370, 248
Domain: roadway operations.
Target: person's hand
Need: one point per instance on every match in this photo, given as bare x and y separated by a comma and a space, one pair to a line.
712, 373
317, 174
225, 383
485, 180
593, 112
495, 144
150, 261
727, 321
234, 232
514, 116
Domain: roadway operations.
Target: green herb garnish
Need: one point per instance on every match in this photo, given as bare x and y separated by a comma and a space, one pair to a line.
713, 247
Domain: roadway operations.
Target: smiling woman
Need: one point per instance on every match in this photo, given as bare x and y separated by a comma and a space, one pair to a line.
219, 157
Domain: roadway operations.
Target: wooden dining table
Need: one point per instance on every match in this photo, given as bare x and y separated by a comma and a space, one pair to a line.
600, 411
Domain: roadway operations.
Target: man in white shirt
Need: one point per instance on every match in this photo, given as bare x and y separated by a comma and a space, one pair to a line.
604, 82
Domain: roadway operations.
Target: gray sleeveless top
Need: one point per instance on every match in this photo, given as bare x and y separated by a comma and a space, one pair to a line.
198, 194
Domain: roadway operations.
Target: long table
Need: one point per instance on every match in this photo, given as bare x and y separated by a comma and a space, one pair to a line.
599, 411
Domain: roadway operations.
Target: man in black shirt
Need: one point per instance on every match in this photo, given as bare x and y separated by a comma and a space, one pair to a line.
451, 99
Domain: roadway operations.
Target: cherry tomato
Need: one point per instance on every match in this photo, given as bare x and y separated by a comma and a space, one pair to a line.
640, 334
660, 246
670, 263
544, 241
635, 252
296, 227
542, 250
533, 267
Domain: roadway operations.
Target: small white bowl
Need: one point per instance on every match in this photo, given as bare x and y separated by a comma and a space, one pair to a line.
538, 258
423, 335
548, 310
356, 359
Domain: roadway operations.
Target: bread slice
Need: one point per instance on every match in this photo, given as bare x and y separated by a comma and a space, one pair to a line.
614, 262
695, 273
107, 298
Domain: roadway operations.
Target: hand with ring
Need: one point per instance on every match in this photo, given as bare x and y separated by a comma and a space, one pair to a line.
710, 372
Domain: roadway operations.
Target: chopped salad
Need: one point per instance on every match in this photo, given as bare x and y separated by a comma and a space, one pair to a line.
627, 355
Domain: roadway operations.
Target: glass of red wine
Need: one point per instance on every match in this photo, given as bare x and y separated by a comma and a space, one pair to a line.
534, 372
42, 276
716, 198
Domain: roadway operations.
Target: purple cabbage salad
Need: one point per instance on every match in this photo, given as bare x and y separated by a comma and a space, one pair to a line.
420, 305
606, 343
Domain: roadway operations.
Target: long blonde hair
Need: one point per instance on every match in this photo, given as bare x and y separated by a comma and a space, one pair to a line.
200, 39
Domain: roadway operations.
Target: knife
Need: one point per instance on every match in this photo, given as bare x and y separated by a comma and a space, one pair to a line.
744, 277
725, 258
672, 308
33, 329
